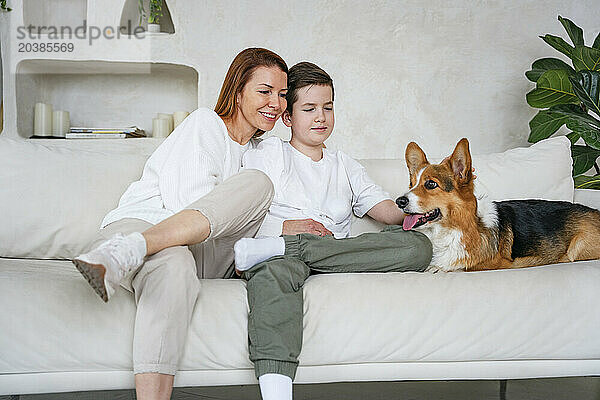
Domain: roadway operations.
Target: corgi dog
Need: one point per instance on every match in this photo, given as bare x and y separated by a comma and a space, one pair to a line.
470, 234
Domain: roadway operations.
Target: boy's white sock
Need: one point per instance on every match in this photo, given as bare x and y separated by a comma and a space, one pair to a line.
275, 386
249, 252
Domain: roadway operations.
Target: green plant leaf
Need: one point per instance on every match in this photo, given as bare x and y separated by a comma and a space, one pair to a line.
544, 125
586, 58
545, 64
552, 88
574, 32
586, 85
573, 137
559, 44
575, 112
587, 182
584, 158
590, 135
596, 44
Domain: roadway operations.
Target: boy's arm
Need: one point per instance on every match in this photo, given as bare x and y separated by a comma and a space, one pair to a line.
388, 212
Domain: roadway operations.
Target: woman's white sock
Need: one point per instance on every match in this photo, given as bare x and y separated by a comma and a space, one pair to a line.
275, 386
249, 252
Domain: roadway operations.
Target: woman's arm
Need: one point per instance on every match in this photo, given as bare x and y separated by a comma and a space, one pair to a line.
388, 212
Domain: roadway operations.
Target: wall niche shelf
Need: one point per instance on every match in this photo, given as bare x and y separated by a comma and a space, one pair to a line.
104, 93
131, 14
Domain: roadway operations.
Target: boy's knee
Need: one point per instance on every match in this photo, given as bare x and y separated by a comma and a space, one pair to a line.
423, 249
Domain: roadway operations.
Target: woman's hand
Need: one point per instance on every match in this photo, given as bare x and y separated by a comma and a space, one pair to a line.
296, 226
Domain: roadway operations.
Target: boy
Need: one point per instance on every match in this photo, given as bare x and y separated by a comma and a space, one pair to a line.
316, 192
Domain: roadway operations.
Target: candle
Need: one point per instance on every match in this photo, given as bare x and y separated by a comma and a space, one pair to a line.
60, 123
178, 117
160, 127
169, 118
42, 120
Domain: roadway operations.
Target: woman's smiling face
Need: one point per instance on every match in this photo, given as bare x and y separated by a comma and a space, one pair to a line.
262, 100
312, 116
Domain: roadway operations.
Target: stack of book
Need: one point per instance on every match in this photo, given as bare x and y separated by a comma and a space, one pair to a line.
105, 133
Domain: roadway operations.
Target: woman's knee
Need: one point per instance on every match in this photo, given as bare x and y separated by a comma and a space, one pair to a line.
422, 249
261, 182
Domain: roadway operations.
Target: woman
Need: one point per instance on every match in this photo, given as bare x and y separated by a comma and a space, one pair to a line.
191, 193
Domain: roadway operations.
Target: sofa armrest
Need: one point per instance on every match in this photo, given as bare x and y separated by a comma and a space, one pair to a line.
587, 197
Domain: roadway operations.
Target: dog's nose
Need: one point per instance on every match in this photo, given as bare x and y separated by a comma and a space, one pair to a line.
402, 201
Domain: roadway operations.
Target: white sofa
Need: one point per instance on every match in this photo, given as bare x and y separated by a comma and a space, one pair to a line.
58, 336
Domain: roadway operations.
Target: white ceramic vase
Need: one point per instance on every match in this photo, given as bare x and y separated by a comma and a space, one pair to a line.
153, 28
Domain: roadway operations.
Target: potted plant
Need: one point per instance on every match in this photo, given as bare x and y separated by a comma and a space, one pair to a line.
569, 96
3, 6
155, 14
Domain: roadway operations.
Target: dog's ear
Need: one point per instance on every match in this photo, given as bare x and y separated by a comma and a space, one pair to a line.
460, 162
416, 160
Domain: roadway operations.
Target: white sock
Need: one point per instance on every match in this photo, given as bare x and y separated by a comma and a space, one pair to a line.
138, 246
275, 386
249, 252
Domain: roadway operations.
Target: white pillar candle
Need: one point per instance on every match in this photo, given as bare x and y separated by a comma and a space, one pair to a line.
42, 120
178, 117
60, 123
160, 128
169, 118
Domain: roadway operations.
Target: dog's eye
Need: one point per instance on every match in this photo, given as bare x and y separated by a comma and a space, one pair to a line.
430, 184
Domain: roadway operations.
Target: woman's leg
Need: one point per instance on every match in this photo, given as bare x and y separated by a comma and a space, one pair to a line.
241, 199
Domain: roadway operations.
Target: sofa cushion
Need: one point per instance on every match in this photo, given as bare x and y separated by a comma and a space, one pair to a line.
54, 199
541, 171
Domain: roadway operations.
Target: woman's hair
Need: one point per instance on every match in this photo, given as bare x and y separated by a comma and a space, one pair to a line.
239, 73
304, 74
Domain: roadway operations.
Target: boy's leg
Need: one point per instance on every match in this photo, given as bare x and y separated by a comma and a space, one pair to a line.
276, 310
391, 250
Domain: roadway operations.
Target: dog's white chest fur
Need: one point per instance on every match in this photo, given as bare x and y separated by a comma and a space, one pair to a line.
448, 248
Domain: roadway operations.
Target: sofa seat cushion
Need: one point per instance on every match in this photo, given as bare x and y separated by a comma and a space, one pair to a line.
52, 320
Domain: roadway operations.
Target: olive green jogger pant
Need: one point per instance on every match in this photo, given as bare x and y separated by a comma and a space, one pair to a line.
275, 285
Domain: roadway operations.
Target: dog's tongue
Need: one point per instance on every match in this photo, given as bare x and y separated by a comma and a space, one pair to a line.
410, 220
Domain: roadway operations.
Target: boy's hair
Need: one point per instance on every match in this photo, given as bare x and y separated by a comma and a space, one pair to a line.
304, 74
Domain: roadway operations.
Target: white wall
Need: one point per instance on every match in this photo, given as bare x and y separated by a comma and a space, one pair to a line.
431, 71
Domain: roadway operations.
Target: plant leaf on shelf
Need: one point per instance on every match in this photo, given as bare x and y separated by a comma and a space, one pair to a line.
558, 43
584, 158
586, 58
545, 124
574, 32
545, 64
553, 87
587, 182
586, 85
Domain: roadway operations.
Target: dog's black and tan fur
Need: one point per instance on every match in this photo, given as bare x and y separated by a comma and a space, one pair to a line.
471, 235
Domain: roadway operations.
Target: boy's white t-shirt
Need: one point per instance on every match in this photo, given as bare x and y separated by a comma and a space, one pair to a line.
328, 190
197, 156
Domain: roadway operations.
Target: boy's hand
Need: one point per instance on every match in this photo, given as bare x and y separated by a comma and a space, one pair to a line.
296, 226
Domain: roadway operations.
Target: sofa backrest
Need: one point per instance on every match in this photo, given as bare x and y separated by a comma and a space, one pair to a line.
54, 199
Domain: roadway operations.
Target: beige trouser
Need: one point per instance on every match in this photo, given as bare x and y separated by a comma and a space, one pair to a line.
166, 286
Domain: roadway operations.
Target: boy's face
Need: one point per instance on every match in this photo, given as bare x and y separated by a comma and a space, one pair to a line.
312, 116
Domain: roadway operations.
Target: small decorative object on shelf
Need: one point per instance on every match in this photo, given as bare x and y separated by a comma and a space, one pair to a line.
42, 120
60, 123
3, 6
168, 117
160, 128
178, 117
